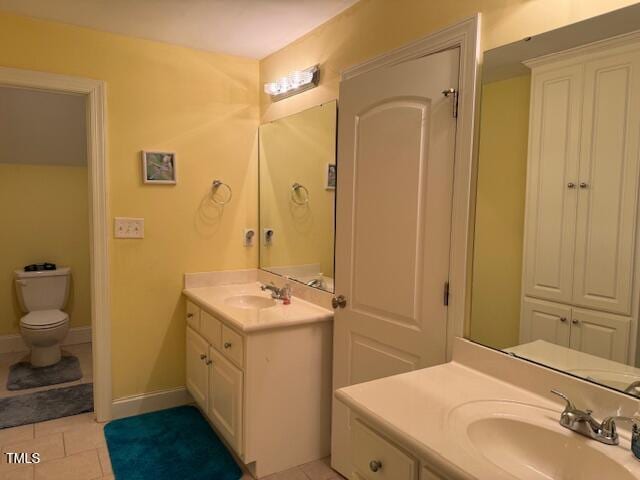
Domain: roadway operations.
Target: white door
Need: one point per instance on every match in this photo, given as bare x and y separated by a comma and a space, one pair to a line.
197, 370
607, 206
225, 399
546, 321
396, 156
601, 334
552, 183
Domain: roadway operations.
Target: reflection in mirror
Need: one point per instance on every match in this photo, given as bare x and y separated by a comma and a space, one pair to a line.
297, 196
556, 253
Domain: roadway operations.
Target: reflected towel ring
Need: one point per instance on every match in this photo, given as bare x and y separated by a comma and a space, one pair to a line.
214, 187
295, 193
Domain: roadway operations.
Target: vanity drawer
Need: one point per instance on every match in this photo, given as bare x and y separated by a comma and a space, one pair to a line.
211, 328
374, 458
232, 345
193, 315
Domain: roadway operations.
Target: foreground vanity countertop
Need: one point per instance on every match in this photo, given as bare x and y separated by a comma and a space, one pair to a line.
435, 412
214, 299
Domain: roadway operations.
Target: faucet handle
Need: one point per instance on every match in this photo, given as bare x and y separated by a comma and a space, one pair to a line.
570, 405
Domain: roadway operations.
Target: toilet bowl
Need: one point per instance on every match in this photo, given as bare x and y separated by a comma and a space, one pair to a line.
43, 331
43, 294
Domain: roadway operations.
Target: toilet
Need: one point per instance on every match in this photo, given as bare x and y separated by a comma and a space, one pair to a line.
43, 294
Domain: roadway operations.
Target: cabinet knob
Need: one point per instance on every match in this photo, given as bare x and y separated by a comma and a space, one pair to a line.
189, 315
571, 185
563, 319
584, 185
375, 465
575, 322
209, 362
339, 302
227, 344
202, 356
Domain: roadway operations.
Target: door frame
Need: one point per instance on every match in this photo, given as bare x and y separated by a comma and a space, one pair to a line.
464, 35
95, 92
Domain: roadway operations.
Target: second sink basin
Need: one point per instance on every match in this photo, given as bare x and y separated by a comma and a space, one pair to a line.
526, 442
254, 302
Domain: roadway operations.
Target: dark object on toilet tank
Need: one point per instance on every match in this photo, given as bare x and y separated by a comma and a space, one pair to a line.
38, 267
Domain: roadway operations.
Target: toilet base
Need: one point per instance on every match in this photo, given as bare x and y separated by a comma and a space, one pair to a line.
45, 356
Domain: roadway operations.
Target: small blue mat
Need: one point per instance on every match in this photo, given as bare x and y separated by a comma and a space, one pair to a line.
174, 444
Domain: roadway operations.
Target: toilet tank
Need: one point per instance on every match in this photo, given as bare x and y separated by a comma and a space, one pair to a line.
46, 290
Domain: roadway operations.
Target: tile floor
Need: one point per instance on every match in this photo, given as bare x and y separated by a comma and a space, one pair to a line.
82, 351
74, 448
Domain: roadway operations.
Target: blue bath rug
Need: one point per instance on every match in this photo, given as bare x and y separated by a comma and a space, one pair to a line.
174, 444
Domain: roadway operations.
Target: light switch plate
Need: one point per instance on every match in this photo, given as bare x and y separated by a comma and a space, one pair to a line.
126, 227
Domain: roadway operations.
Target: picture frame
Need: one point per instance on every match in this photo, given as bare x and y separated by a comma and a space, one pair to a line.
331, 176
159, 168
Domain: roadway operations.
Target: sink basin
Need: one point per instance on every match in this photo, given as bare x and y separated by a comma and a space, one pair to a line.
254, 302
526, 442
531, 451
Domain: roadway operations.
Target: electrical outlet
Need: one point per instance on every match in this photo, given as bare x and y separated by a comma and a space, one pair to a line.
267, 236
129, 227
249, 235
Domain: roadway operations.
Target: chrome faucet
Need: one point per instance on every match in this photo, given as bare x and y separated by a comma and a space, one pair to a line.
581, 421
633, 388
283, 293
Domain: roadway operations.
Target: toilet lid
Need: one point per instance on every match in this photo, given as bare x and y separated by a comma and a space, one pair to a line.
43, 318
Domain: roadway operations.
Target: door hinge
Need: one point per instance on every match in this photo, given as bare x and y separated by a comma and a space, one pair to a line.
445, 295
452, 92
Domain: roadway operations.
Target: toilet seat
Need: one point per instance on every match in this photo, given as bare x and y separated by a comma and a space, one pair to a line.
44, 319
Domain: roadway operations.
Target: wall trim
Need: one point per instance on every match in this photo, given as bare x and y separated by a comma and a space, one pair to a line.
14, 343
150, 402
95, 92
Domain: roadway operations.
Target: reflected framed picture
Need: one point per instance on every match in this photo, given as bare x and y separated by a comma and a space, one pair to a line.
331, 176
159, 167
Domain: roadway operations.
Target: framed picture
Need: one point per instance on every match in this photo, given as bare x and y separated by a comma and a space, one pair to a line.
159, 167
331, 176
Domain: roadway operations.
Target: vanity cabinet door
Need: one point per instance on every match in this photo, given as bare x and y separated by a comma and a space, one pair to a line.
197, 369
225, 399
601, 334
545, 321
552, 183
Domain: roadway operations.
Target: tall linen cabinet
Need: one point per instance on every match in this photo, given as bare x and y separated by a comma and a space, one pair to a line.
580, 258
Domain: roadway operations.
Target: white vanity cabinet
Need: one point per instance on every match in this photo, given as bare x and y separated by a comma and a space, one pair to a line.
581, 213
266, 391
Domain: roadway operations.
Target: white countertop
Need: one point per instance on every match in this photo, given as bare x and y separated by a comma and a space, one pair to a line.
419, 410
298, 312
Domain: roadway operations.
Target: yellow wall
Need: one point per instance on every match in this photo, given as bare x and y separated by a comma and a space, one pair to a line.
204, 107
297, 149
45, 217
373, 27
497, 255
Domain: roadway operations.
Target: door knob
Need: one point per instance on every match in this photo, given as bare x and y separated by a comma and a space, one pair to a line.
339, 302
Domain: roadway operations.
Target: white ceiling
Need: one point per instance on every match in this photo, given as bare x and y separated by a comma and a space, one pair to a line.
248, 28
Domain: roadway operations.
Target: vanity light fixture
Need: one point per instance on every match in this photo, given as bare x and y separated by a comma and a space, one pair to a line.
294, 83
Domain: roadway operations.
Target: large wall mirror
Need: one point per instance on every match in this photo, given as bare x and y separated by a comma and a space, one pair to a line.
556, 251
297, 196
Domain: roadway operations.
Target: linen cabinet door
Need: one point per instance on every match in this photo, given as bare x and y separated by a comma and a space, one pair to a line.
552, 177
601, 334
546, 321
607, 202
197, 370
225, 399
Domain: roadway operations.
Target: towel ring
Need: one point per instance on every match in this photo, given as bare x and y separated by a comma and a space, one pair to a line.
295, 189
214, 187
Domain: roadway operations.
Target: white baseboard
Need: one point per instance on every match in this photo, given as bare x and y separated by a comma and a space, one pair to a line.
14, 343
150, 402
